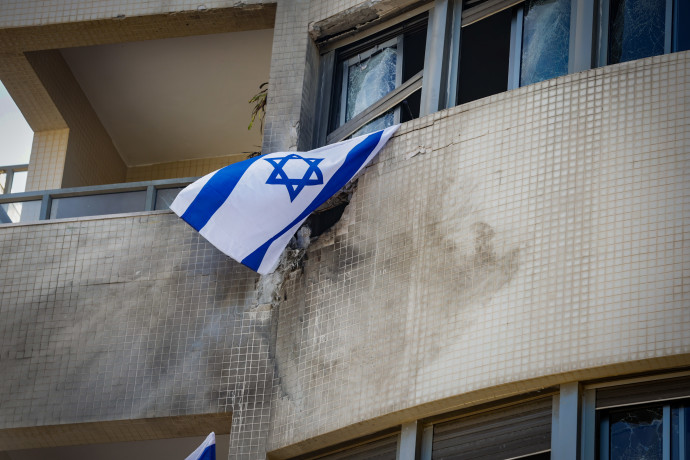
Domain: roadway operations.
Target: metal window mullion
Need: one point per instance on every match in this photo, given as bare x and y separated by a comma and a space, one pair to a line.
604, 438
454, 55
682, 442
666, 433
343, 94
324, 97
581, 35
515, 48
409, 441
9, 179
603, 35
427, 442
150, 198
486, 9
555, 425
588, 427
436, 57
676, 24
564, 432
398, 73
668, 30
46, 204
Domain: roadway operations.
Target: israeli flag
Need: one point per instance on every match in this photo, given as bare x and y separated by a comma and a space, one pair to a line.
250, 210
207, 449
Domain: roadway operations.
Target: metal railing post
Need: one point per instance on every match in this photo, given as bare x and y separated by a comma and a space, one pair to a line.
150, 198
44, 213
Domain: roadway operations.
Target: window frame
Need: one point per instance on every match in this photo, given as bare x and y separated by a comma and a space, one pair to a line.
347, 63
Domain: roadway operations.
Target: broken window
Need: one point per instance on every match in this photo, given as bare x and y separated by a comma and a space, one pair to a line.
637, 419
377, 81
636, 29
509, 44
458, 51
641, 432
545, 40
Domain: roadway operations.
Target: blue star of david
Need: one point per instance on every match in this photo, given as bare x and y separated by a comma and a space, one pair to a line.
312, 176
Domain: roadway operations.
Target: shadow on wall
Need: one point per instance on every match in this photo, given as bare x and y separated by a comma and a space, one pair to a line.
382, 294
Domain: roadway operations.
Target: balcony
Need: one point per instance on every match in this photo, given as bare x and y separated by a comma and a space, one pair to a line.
25, 207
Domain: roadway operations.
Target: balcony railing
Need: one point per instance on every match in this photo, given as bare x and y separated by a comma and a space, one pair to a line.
7, 178
90, 201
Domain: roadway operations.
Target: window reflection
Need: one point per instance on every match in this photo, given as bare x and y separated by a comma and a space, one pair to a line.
165, 197
26, 211
93, 205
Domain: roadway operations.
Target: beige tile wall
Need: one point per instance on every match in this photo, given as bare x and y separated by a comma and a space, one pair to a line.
535, 237
177, 169
289, 80
108, 319
47, 160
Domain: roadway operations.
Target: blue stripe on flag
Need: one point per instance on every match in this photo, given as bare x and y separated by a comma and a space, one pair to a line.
214, 193
355, 158
209, 453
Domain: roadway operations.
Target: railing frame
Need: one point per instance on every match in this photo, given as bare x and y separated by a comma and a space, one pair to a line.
47, 196
9, 176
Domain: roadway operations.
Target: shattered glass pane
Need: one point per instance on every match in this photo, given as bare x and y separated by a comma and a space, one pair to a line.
370, 80
636, 29
636, 434
384, 121
545, 40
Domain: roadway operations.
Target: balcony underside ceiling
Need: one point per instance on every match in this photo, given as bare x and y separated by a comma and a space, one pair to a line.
203, 86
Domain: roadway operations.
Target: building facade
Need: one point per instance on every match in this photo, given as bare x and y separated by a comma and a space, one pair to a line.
508, 279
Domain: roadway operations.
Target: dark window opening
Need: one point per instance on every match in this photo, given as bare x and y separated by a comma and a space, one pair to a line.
319, 222
484, 57
413, 62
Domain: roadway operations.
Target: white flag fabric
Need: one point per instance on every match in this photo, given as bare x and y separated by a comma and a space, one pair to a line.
207, 449
251, 209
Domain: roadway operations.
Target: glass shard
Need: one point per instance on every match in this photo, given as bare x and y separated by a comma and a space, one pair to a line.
370, 80
636, 434
636, 29
545, 40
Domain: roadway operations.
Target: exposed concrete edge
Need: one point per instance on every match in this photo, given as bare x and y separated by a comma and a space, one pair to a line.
122, 28
144, 429
481, 396
359, 17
